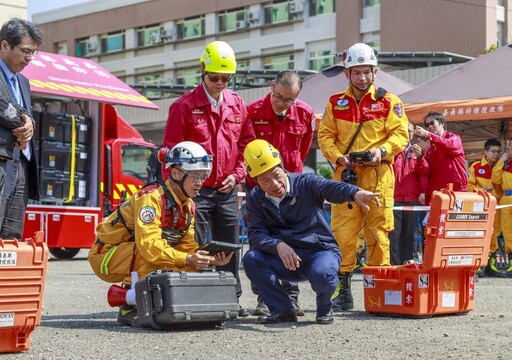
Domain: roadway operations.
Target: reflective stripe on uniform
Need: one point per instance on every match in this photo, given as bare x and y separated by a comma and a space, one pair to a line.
106, 259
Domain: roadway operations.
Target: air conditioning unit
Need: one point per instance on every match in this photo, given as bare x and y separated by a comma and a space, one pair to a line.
168, 34
254, 16
296, 6
92, 46
241, 24
155, 38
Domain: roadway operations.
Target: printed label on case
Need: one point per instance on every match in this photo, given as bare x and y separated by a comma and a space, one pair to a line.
392, 297
6, 319
8, 258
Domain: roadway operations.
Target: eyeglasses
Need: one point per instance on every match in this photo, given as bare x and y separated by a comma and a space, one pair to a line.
494, 151
197, 178
283, 99
216, 78
430, 123
28, 52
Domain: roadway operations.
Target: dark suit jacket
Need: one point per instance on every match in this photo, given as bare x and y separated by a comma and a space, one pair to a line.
33, 176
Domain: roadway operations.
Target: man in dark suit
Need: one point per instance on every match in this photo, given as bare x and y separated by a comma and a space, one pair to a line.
19, 40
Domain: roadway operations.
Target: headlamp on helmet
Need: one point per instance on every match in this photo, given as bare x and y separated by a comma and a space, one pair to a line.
260, 156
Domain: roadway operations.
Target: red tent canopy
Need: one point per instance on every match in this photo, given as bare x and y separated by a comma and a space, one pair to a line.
78, 78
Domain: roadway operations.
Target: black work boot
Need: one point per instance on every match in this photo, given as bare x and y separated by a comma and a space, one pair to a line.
342, 297
491, 269
508, 271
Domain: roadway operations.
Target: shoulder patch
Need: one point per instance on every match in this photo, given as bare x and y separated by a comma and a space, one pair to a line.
399, 110
147, 214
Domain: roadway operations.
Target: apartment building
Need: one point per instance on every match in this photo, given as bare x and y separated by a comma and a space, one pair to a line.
12, 8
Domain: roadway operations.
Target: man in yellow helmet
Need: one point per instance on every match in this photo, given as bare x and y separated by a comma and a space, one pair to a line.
216, 118
372, 121
289, 234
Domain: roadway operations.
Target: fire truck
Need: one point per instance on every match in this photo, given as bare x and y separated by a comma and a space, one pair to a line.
90, 158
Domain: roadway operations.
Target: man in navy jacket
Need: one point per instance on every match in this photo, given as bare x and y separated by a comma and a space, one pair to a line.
289, 233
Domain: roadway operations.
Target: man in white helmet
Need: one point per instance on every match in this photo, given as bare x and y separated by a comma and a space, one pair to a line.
215, 117
372, 121
140, 237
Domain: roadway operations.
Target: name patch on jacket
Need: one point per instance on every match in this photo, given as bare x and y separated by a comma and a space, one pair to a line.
341, 104
197, 112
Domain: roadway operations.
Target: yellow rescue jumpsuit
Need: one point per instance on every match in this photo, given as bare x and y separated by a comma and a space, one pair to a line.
479, 177
502, 182
158, 235
384, 124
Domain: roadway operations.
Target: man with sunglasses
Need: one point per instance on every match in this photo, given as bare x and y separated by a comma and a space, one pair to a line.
140, 237
288, 124
216, 118
445, 155
19, 40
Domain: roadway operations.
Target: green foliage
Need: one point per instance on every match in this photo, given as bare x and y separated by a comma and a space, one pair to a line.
491, 48
324, 172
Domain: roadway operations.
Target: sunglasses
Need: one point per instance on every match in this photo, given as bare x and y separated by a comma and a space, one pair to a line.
216, 78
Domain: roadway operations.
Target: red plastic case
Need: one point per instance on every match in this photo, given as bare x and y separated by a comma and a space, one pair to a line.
458, 235
23, 267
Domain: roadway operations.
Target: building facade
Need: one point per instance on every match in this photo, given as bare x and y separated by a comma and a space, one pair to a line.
12, 8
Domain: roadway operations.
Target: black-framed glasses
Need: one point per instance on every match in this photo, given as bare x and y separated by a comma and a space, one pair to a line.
430, 123
283, 99
27, 51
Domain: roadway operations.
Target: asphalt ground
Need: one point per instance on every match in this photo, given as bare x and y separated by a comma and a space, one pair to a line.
77, 323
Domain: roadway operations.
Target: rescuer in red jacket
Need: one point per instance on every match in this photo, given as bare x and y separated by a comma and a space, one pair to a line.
445, 156
216, 118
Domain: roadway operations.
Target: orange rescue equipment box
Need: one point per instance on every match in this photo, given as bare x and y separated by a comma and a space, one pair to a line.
458, 235
23, 267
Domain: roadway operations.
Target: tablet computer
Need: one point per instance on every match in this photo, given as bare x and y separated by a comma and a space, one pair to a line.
214, 247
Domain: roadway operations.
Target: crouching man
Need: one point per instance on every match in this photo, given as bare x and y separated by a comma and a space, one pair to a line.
154, 229
289, 234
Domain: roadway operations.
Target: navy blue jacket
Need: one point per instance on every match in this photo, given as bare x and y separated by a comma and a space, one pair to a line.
300, 221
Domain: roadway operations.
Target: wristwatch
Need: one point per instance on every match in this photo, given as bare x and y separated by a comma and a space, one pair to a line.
383, 151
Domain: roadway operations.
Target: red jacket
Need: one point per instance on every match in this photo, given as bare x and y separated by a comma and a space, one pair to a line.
447, 163
224, 134
292, 135
410, 175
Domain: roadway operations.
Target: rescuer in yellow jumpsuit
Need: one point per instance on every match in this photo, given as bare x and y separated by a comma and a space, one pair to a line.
362, 119
479, 177
502, 181
154, 229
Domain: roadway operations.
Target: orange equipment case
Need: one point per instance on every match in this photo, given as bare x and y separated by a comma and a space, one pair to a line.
23, 268
458, 235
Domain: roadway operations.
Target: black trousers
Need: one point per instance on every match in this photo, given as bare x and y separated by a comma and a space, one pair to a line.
217, 218
13, 204
401, 240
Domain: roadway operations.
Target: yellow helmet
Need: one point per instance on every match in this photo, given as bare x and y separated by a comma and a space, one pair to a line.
218, 57
260, 156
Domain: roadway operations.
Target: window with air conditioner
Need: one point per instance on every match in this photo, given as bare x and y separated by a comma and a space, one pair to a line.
149, 35
233, 19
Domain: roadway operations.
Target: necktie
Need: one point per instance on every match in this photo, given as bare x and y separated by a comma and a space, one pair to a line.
15, 86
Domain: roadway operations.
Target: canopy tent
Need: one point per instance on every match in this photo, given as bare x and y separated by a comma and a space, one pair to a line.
77, 78
317, 88
475, 98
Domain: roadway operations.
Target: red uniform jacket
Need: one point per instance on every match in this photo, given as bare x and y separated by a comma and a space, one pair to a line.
292, 135
411, 175
224, 134
447, 163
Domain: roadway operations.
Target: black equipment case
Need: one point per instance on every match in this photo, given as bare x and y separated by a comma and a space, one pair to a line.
167, 299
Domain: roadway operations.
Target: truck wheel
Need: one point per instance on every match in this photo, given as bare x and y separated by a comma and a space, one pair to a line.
64, 253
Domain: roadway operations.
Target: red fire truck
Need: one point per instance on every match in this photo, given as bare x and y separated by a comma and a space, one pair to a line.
90, 158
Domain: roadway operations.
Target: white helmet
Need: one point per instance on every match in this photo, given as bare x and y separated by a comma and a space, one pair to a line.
360, 54
189, 155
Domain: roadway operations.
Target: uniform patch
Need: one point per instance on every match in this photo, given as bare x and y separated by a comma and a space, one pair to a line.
197, 112
399, 110
481, 171
147, 214
342, 102
377, 107
10, 112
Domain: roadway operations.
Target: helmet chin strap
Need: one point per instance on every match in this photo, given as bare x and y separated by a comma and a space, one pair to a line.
365, 89
180, 183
